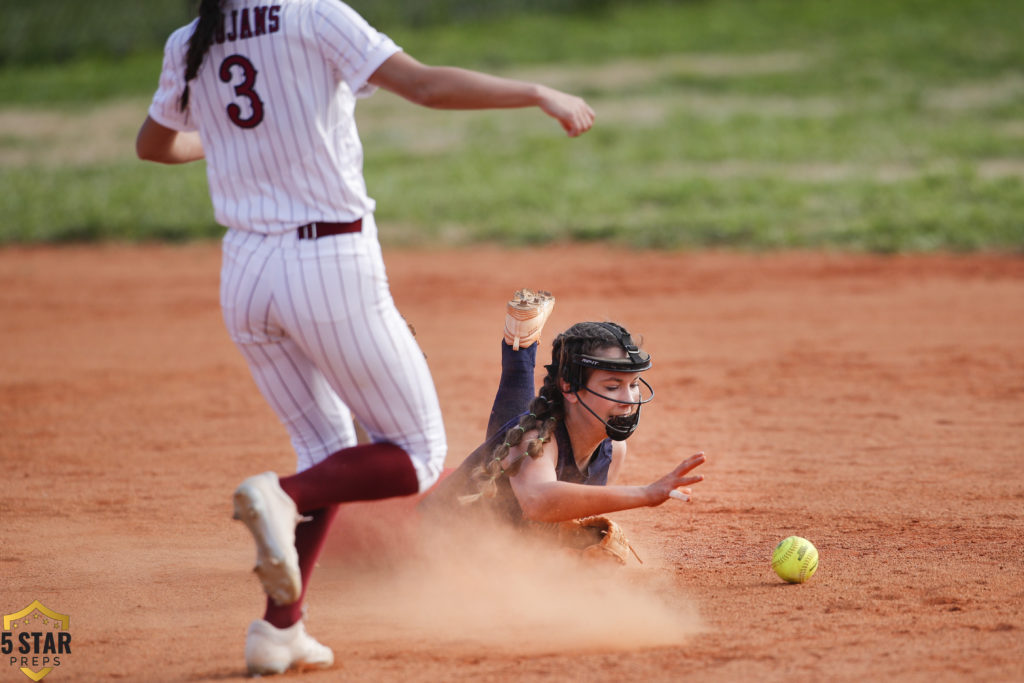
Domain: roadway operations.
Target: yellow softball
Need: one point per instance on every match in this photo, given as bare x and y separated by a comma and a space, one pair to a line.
795, 559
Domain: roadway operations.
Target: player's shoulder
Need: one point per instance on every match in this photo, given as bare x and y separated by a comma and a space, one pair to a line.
551, 448
340, 14
180, 36
183, 33
527, 437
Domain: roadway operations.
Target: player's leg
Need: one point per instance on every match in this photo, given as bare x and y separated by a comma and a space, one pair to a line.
346, 320
279, 640
515, 388
365, 347
317, 421
336, 308
318, 424
525, 316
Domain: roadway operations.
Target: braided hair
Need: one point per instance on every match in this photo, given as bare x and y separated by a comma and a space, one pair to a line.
210, 19
547, 408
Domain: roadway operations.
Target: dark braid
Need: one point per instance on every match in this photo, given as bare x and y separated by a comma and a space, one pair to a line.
210, 18
546, 409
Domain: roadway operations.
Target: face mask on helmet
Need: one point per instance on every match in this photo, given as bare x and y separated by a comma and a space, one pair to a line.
618, 428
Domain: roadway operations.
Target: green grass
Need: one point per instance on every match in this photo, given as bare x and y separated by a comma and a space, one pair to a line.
80, 83
59, 31
106, 202
762, 124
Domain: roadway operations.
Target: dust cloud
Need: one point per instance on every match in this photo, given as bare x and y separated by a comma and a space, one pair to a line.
470, 582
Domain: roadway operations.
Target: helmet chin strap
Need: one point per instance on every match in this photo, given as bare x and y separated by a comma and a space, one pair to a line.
621, 427
635, 361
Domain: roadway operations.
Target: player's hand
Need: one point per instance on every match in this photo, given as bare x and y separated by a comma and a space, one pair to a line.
572, 112
664, 488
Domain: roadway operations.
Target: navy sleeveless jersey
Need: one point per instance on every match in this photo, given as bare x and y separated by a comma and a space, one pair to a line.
459, 482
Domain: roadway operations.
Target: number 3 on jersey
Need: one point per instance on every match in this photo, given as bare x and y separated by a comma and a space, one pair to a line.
243, 89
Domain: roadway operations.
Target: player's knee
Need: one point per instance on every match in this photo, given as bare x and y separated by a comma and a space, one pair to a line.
428, 470
428, 477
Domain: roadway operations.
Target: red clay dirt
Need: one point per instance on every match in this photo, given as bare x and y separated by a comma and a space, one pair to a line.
874, 405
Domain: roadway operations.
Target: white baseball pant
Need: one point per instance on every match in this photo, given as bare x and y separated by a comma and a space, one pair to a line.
318, 326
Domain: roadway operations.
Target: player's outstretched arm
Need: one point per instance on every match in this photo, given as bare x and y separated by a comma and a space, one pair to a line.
545, 499
446, 87
167, 146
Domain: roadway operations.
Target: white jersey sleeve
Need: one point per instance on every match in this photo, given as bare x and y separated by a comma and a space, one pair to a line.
165, 108
354, 47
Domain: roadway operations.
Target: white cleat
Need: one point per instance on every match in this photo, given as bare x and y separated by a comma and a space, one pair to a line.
525, 316
271, 516
271, 650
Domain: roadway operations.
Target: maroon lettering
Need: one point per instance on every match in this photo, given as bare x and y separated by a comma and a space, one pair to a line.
259, 17
244, 31
264, 19
234, 25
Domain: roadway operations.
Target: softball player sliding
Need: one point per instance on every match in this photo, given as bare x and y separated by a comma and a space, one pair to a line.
551, 457
265, 92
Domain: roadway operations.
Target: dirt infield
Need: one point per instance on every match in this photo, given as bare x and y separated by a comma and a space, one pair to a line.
874, 405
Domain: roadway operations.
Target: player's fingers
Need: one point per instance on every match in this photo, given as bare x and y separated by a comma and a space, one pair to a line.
579, 120
586, 119
694, 479
572, 126
690, 463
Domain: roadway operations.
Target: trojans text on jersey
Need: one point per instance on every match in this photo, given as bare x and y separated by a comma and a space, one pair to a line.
248, 22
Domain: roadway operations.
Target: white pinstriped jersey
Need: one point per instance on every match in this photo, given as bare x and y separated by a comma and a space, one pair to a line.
271, 166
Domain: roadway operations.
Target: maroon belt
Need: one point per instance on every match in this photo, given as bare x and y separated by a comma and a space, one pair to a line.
317, 230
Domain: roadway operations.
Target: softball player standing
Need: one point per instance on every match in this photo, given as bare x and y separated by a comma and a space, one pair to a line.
265, 92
